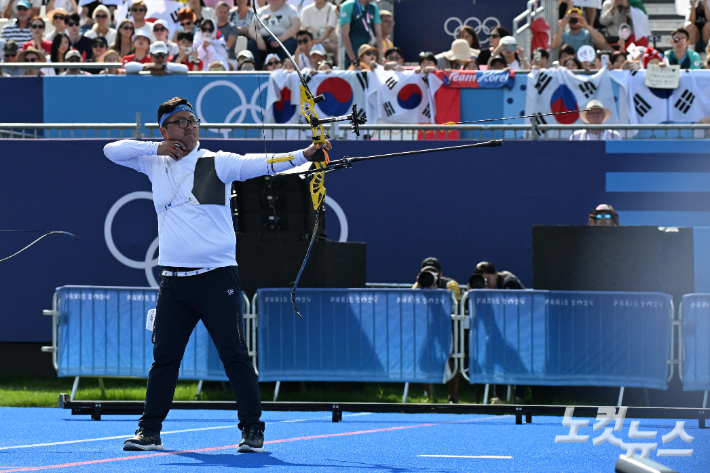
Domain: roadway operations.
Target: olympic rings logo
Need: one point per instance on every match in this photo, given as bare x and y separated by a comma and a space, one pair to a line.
479, 26
244, 107
149, 262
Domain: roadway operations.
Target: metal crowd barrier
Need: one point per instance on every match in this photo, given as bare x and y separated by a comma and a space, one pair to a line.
694, 335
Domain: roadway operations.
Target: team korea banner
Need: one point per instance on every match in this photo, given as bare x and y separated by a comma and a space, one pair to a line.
342, 90
157, 10
398, 97
641, 105
558, 90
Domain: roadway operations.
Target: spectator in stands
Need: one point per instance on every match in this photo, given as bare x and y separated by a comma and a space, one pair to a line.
243, 18
111, 56
698, 26
360, 24
9, 53
572, 63
210, 45
566, 51
56, 17
141, 45
20, 30
616, 60
287, 65
228, 30
497, 63
513, 55
325, 66
574, 30
101, 27
317, 55
456, 58
138, 12
60, 46
11, 8
680, 54
247, 66
124, 42
68, 6
321, 19
37, 27
99, 46
33, 55
595, 114
494, 37
541, 59
283, 21
186, 19
86, 20
427, 62
603, 216
188, 55
651, 56
368, 58
159, 63
394, 59
614, 14
216, 66
74, 56
201, 11
387, 26
304, 42
76, 40
161, 32
272, 63
469, 34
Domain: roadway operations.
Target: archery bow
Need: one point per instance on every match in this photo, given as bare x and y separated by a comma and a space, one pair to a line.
321, 158
38, 239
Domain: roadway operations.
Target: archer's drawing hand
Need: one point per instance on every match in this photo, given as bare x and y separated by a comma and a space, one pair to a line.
315, 151
174, 149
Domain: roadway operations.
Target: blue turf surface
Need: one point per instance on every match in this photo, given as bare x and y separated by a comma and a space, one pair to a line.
399, 449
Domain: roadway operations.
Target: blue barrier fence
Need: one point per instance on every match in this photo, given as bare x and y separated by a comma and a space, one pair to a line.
354, 335
101, 331
562, 338
695, 342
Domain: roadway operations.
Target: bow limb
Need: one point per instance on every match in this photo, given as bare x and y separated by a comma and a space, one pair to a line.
38, 239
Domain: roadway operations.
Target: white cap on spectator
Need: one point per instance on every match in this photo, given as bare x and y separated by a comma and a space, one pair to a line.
318, 49
159, 47
162, 23
145, 32
508, 40
272, 56
245, 54
72, 53
460, 50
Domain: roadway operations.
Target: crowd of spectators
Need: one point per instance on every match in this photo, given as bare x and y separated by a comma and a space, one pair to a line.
209, 31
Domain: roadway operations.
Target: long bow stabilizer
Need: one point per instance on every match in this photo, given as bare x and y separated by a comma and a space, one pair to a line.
321, 159
38, 239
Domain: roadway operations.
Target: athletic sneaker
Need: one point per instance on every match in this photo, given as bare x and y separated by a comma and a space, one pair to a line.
252, 440
144, 439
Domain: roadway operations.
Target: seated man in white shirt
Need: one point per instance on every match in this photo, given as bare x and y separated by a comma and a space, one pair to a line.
595, 114
159, 62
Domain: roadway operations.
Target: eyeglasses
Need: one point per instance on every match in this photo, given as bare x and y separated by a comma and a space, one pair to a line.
138, 10
494, 35
21, 8
182, 123
58, 17
679, 39
271, 63
126, 27
37, 26
159, 55
207, 30
186, 24
303, 41
71, 24
101, 16
98, 46
159, 30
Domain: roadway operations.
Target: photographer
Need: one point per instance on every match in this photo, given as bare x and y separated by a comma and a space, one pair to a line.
485, 276
603, 216
430, 277
188, 54
574, 30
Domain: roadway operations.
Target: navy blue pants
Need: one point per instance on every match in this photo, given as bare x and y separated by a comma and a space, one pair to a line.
215, 298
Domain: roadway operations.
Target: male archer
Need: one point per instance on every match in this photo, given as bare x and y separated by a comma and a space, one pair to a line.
199, 281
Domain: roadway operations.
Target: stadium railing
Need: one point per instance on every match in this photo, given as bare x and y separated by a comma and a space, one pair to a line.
694, 335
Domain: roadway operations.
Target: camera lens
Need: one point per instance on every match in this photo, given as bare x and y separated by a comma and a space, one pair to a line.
425, 279
573, 20
477, 281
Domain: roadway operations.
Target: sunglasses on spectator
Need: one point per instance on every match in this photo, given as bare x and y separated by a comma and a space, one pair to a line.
98, 45
207, 30
303, 41
71, 23
393, 57
678, 39
101, 16
21, 8
125, 27
10, 54
73, 59
58, 17
31, 59
37, 26
138, 10
159, 30
183, 122
494, 35
603, 216
186, 24
160, 55
272, 63
369, 53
